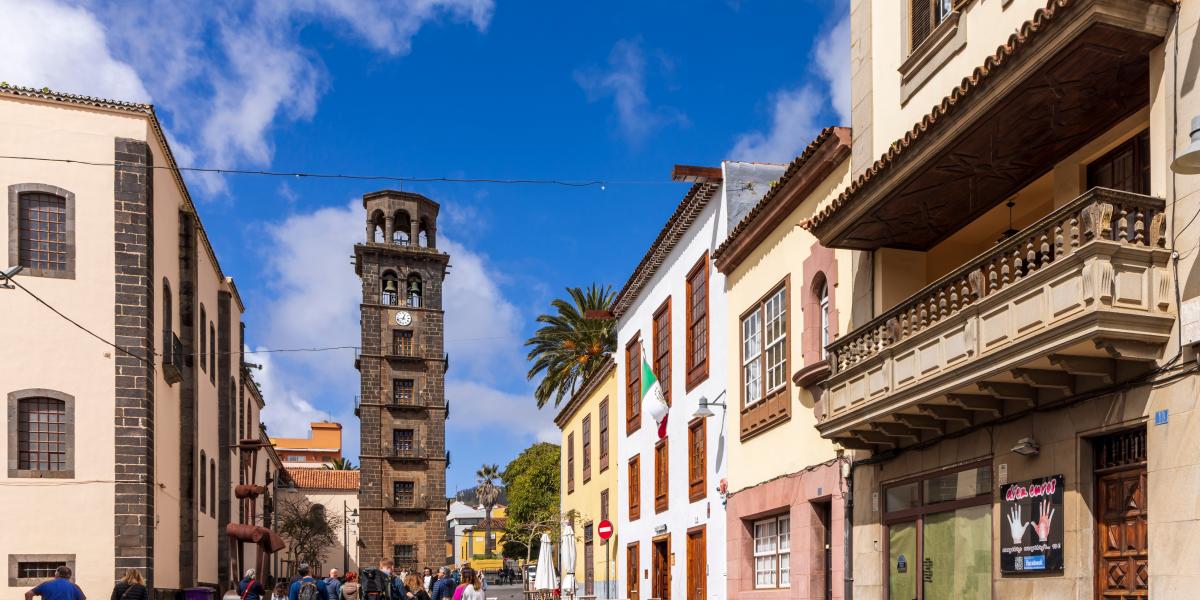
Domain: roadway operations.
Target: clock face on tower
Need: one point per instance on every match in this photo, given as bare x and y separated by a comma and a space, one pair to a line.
403, 319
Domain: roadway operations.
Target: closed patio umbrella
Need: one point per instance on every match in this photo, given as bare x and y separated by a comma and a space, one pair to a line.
567, 556
545, 579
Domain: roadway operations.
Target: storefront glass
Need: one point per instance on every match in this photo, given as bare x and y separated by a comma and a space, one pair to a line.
940, 535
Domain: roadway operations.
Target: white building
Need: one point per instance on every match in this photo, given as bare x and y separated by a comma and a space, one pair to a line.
670, 513
459, 518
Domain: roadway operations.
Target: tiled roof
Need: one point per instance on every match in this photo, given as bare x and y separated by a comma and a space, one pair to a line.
49, 94
1055, 11
679, 222
324, 479
796, 166
585, 390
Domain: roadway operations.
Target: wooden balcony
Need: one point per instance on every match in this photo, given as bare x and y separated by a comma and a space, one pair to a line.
1077, 301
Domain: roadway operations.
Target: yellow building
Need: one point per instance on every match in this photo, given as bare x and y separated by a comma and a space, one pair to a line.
473, 544
589, 478
322, 446
788, 297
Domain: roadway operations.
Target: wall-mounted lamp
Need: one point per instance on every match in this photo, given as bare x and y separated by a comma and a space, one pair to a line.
1027, 447
704, 411
1188, 163
6, 277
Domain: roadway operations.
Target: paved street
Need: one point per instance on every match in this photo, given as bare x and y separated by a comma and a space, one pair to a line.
504, 592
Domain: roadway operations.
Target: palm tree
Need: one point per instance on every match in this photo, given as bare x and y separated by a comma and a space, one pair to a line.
341, 464
568, 348
487, 491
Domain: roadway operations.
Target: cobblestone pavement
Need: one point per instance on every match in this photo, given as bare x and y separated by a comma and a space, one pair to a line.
504, 592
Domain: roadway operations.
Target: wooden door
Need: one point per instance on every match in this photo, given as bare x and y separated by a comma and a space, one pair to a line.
632, 571
661, 584
589, 569
1122, 560
697, 565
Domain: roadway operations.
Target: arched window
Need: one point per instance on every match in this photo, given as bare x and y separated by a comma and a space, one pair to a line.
415, 290
401, 228
822, 294
375, 231
389, 288
168, 314
203, 482
42, 228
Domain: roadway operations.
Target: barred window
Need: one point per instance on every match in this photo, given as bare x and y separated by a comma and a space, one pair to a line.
402, 391
404, 493
42, 231
402, 440
38, 569
405, 556
41, 434
402, 343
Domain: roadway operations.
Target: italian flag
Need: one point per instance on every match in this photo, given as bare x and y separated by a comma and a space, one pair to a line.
652, 398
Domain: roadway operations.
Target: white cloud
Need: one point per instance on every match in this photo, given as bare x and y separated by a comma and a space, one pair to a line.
798, 113
794, 118
625, 82
477, 408
48, 44
287, 412
224, 74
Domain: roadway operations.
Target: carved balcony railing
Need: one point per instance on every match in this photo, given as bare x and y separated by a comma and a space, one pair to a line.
1093, 267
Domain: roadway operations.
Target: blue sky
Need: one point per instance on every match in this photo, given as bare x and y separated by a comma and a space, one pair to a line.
615, 91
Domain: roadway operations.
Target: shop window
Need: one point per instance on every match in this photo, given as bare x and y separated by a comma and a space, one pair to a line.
939, 532
773, 553
697, 323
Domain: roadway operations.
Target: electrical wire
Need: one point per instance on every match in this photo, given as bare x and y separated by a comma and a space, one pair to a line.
586, 183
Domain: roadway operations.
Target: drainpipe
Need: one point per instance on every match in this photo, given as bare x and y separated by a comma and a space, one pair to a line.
847, 532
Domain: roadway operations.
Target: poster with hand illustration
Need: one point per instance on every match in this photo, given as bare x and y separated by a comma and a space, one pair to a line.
1031, 539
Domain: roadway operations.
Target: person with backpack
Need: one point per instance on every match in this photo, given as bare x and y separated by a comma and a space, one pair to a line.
130, 587
307, 588
59, 588
249, 588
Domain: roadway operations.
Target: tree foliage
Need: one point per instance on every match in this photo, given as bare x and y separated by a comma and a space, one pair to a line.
531, 481
309, 529
341, 464
568, 348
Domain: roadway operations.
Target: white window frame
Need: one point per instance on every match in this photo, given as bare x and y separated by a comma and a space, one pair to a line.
751, 355
773, 548
775, 348
823, 302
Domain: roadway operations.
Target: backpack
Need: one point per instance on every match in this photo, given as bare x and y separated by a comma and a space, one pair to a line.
374, 584
308, 590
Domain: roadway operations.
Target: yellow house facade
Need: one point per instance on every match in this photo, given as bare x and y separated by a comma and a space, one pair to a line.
788, 297
473, 544
589, 479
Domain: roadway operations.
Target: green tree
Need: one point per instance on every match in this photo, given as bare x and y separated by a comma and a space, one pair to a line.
487, 492
568, 347
341, 464
531, 482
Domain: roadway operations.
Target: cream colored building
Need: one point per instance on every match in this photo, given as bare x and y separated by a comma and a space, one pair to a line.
788, 297
116, 456
336, 491
1013, 378
589, 479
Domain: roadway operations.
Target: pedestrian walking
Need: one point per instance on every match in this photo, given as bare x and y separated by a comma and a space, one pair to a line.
306, 587
130, 587
428, 580
350, 590
59, 588
333, 585
280, 592
472, 585
248, 588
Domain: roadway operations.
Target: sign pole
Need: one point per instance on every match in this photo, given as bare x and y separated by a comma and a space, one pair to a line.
605, 529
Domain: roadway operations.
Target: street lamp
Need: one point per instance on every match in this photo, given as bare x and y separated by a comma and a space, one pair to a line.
1188, 163
6, 277
346, 536
704, 411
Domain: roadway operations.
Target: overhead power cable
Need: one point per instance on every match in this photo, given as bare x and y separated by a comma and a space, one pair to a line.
586, 183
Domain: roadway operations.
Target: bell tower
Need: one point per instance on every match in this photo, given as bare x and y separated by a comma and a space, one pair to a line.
402, 367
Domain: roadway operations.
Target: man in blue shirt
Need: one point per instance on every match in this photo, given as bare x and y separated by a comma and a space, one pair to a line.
306, 579
443, 588
59, 588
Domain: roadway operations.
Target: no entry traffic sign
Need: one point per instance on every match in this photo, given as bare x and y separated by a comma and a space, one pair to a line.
604, 529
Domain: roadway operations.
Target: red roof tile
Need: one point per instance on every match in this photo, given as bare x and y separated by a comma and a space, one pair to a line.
324, 479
